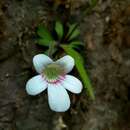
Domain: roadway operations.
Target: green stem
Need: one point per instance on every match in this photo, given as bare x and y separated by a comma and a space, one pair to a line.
51, 48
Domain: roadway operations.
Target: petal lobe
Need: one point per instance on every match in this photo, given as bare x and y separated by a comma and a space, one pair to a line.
67, 62
36, 85
72, 84
40, 61
58, 97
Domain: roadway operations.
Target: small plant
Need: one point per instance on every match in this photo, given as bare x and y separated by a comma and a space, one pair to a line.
53, 76
54, 73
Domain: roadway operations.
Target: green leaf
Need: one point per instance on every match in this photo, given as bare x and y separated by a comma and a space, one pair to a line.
80, 67
44, 33
59, 29
73, 32
75, 44
71, 28
44, 42
46, 52
53, 51
93, 3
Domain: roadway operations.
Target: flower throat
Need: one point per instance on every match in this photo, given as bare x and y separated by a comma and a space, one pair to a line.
53, 71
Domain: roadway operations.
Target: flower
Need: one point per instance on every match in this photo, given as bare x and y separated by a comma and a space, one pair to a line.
54, 77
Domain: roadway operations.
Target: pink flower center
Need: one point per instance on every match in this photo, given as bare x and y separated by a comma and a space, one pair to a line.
54, 81
53, 73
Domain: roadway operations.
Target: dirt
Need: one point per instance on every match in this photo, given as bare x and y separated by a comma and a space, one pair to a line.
105, 31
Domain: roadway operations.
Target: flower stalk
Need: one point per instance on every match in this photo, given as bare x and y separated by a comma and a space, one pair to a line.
51, 49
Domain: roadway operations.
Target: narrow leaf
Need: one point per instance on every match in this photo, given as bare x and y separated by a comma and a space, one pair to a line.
59, 29
53, 51
75, 44
73, 32
44, 33
44, 42
80, 67
93, 3
71, 28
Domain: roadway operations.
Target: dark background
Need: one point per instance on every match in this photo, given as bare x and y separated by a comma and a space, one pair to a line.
105, 31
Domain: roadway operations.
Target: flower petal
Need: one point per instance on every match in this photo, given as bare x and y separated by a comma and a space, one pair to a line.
72, 84
58, 97
40, 60
36, 85
68, 63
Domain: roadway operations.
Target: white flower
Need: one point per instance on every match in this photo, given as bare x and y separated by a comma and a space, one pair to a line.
53, 76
